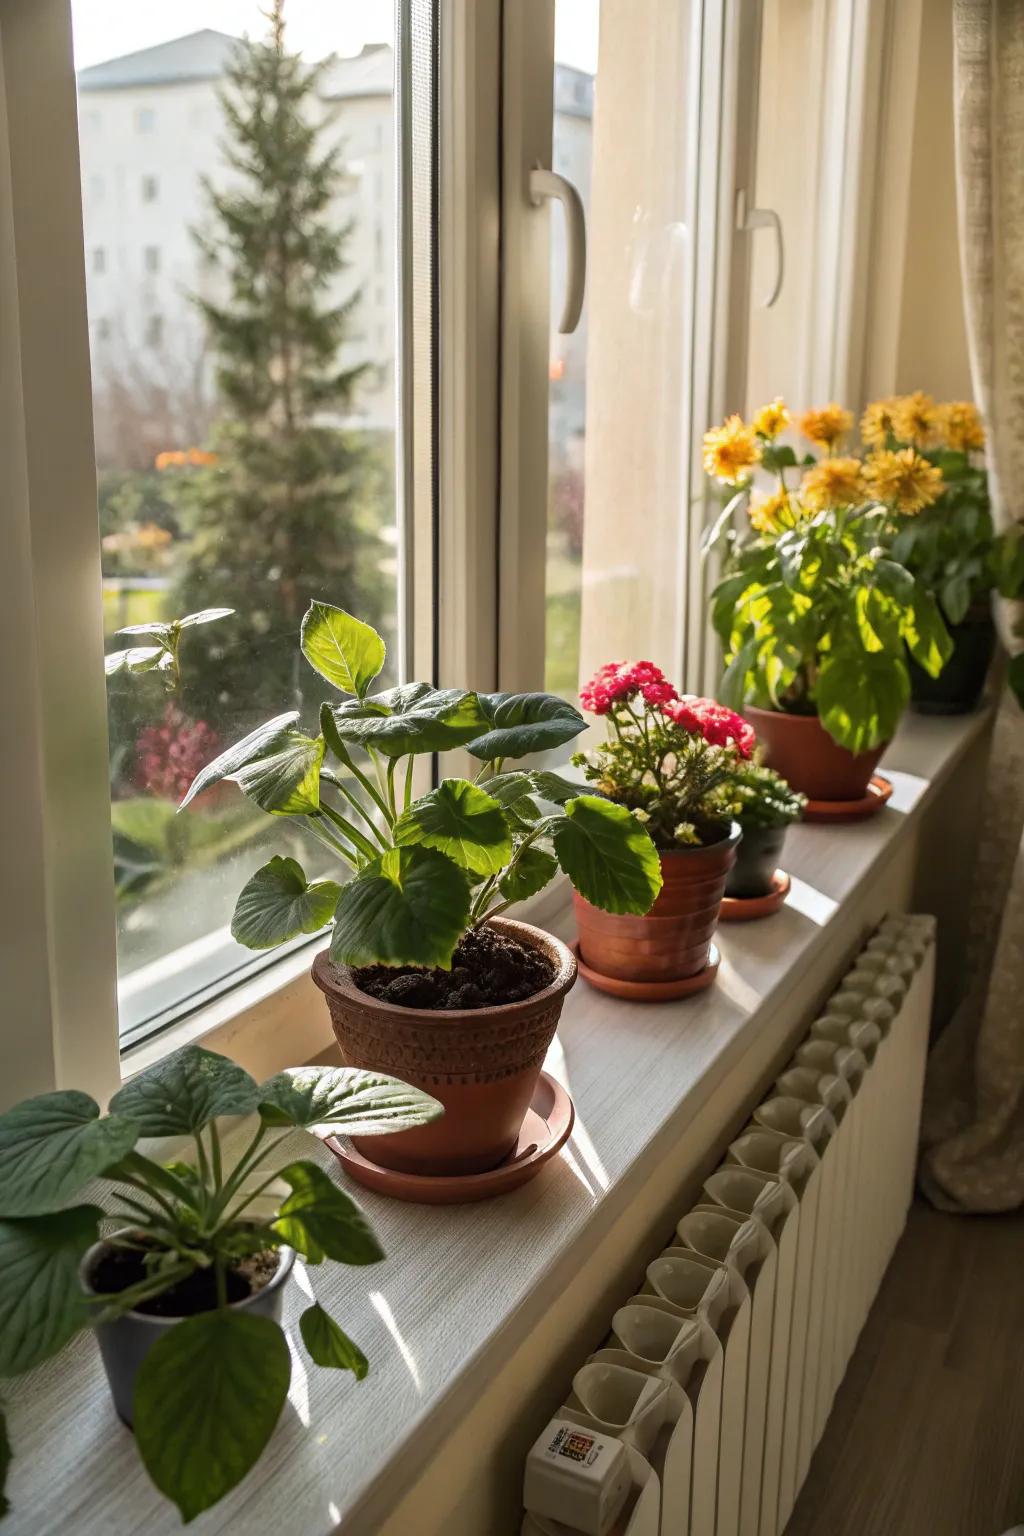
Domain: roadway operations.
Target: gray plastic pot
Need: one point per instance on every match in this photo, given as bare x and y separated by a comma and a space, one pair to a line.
757, 859
127, 1340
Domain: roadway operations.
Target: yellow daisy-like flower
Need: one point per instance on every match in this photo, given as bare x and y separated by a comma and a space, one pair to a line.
773, 514
915, 419
772, 419
833, 483
961, 426
903, 479
827, 425
877, 422
730, 450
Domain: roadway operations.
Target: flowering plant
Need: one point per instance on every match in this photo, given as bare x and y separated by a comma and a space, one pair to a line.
762, 798
814, 612
670, 760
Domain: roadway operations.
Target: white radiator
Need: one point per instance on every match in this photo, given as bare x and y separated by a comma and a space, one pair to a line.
748, 1319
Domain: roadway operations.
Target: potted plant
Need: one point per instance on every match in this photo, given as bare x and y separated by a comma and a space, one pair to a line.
764, 806
666, 761
815, 615
181, 1272
950, 545
424, 977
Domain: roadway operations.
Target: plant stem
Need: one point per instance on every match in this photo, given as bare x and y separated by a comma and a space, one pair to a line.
346, 757
357, 805
357, 839
218, 1166
409, 767
153, 1286
254, 1194
327, 840
392, 766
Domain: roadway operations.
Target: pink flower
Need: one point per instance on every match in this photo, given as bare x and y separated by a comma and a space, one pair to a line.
609, 684
720, 727
169, 755
658, 694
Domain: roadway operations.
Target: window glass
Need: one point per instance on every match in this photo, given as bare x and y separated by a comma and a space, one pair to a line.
237, 467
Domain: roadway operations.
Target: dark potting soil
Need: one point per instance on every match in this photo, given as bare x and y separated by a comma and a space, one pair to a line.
118, 1268
488, 968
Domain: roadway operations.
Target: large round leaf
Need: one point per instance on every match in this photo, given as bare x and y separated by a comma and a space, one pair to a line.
462, 821
41, 1298
185, 1091
607, 855
927, 637
328, 1345
207, 1398
525, 722
409, 719
530, 873
344, 650
410, 908
279, 903
321, 1220
860, 697
266, 741
326, 1099
52, 1145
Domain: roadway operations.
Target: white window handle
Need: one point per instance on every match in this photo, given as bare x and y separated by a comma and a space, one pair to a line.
748, 219
545, 184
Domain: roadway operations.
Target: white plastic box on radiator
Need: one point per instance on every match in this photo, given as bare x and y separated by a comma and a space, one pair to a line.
749, 1318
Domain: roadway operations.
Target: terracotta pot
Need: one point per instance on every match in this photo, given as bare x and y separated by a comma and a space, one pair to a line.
482, 1063
673, 939
958, 688
800, 748
757, 859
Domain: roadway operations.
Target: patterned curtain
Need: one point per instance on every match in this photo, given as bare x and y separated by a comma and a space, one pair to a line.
973, 1126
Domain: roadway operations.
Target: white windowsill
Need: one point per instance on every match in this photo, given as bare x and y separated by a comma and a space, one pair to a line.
464, 1286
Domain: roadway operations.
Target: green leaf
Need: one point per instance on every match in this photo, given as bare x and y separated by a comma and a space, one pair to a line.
322, 1221
265, 741
204, 616
459, 820
956, 597
409, 719
138, 658
732, 690
207, 1398
42, 1303
552, 787
523, 723
716, 531
1008, 562
894, 580
927, 637
530, 873
409, 908
180, 1094
607, 855
287, 783
279, 903
328, 1345
518, 785
320, 1099
344, 650
52, 1145
5, 1464
1015, 676
878, 620
861, 696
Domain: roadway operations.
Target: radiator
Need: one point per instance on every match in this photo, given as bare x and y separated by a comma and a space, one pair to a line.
746, 1322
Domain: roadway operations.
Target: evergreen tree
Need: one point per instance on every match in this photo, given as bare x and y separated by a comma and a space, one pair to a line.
290, 510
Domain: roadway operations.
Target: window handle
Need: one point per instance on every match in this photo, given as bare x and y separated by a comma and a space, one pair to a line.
545, 184
749, 219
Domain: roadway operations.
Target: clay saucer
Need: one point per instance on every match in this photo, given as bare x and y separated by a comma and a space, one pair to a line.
545, 1129
742, 909
649, 991
879, 791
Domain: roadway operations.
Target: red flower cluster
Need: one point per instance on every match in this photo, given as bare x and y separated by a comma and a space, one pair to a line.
169, 755
719, 726
618, 681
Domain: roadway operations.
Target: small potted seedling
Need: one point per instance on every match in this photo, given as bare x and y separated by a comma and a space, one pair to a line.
425, 976
181, 1271
764, 805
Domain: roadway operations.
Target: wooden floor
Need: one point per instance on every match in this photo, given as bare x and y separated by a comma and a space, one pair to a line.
926, 1437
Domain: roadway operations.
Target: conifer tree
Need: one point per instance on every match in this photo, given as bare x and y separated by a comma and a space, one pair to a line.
290, 509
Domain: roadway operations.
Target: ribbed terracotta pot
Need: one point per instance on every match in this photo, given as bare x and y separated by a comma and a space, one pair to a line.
673, 939
482, 1063
800, 748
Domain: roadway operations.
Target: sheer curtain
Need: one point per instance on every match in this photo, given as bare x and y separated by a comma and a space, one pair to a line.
973, 1127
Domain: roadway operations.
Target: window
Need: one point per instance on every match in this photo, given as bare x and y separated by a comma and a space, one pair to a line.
99, 259
151, 258
150, 189
103, 329
154, 330
145, 119
97, 187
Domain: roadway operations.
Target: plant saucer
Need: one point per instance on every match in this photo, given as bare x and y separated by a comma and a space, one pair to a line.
743, 909
545, 1130
649, 991
879, 791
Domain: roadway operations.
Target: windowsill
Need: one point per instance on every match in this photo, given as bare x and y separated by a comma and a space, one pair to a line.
464, 1286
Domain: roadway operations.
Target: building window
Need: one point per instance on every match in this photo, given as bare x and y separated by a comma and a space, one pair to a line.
150, 189
145, 119
151, 258
154, 330
99, 259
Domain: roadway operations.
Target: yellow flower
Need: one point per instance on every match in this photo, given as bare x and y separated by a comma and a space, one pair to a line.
826, 425
876, 423
960, 426
773, 514
903, 480
833, 483
772, 419
729, 450
915, 419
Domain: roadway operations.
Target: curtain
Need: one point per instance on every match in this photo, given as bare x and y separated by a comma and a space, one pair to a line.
973, 1124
